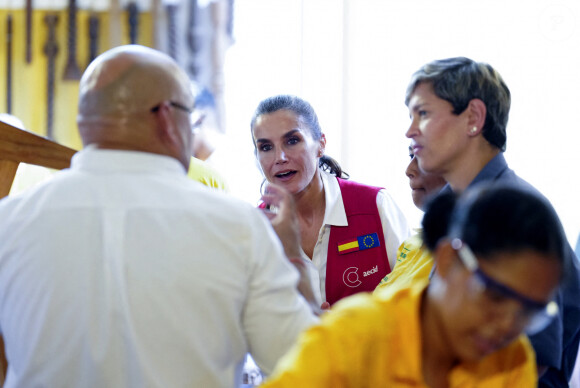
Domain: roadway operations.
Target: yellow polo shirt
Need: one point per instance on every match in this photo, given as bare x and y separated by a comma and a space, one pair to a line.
205, 173
414, 262
374, 340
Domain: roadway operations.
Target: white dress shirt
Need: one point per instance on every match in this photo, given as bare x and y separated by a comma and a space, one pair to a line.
122, 272
395, 230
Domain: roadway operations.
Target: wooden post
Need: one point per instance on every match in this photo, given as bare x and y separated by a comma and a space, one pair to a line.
7, 173
3, 362
19, 146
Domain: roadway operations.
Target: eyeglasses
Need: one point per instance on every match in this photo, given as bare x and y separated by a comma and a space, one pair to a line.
176, 105
534, 316
197, 120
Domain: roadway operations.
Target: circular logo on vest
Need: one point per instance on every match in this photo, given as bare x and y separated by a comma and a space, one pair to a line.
350, 277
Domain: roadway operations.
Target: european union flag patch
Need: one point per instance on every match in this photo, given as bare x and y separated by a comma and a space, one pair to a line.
361, 243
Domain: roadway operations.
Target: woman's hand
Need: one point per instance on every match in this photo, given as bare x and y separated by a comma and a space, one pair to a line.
281, 211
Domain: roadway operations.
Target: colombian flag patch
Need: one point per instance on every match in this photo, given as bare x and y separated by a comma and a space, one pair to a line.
359, 243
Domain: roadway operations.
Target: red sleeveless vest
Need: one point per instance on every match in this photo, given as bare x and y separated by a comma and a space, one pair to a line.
357, 254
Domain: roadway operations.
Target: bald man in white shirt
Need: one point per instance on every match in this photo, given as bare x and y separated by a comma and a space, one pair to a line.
121, 271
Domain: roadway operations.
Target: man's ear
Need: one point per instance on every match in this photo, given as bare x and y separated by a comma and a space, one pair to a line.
167, 131
444, 257
477, 113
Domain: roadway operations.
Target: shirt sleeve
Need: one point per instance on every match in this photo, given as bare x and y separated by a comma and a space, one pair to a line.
395, 226
275, 313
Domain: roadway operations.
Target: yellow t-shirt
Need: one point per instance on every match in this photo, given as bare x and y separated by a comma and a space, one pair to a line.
374, 340
414, 263
205, 173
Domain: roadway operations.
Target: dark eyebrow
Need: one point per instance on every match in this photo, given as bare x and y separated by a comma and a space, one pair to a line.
286, 136
290, 133
418, 106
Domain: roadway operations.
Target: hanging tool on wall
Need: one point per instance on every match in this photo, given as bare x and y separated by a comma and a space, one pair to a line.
28, 49
9, 63
72, 70
50, 50
171, 11
133, 21
93, 36
192, 41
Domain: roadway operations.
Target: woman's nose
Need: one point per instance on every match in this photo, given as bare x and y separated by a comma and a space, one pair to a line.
281, 156
412, 130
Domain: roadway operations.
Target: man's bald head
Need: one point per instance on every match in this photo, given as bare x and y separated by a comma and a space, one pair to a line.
118, 91
130, 80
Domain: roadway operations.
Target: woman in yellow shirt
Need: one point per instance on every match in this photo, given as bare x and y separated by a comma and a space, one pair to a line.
497, 270
414, 261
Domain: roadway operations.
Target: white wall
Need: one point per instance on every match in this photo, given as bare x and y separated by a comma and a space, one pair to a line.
352, 60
